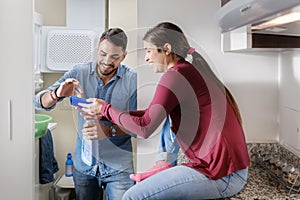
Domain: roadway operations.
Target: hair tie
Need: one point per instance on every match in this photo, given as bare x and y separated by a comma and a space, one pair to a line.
191, 50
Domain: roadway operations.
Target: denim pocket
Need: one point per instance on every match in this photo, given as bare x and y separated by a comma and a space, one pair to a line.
242, 174
233, 183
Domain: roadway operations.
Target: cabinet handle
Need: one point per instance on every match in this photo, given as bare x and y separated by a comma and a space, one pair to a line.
9, 120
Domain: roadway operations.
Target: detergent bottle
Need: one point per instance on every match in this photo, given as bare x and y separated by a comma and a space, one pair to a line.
69, 165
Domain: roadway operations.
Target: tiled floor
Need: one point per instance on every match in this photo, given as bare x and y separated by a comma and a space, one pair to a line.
261, 186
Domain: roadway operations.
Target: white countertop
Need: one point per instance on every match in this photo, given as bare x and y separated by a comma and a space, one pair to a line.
64, 182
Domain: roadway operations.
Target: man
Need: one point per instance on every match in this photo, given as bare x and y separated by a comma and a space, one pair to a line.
109, 163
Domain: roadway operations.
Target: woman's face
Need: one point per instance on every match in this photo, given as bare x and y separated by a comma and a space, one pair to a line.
155, 58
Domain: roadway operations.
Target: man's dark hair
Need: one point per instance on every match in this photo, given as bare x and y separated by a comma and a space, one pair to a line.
116, 36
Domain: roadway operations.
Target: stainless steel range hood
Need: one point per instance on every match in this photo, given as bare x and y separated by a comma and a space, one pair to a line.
241, 22
238, 13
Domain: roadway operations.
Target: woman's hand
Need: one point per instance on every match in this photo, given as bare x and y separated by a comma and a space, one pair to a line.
93, 130
93, 108
88, 116
68, 88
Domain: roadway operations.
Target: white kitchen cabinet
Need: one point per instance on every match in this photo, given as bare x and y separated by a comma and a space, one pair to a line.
16, 80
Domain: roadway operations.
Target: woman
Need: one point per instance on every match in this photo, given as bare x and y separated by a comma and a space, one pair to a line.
205, 119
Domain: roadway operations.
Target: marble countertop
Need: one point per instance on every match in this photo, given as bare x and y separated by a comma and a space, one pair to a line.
261, 186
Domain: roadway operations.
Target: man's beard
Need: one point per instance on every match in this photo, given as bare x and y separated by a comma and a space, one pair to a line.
106, 73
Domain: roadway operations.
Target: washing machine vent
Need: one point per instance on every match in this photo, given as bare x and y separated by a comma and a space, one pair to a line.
66, 48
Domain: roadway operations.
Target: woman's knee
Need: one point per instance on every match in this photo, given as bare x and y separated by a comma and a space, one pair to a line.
128, 195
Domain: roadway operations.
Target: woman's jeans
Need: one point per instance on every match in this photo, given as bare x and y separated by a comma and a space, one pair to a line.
185, 183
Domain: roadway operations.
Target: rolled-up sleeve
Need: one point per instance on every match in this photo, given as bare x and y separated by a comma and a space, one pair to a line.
37, 99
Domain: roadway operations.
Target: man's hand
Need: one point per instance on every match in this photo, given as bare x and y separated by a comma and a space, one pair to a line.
68, 88
93, 130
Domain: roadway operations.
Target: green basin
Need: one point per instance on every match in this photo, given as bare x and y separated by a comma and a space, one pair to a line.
41, 124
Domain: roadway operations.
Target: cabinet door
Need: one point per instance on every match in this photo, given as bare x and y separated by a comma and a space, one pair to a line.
16, 116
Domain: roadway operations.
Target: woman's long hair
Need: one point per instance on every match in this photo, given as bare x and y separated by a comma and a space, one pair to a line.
167, 32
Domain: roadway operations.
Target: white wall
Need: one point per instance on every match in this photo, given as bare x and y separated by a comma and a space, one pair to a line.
289, 104
252, 78
123, 14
